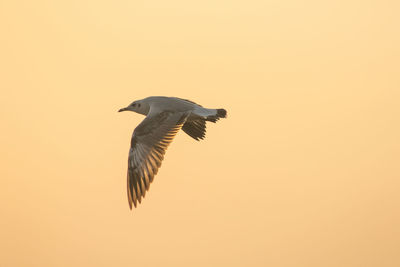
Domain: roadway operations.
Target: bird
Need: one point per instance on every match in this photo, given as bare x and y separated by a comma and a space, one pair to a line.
165, 116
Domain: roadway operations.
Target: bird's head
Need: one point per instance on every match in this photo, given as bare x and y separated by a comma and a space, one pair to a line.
138, 106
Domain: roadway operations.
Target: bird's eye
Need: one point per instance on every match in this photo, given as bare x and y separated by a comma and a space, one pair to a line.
139, 105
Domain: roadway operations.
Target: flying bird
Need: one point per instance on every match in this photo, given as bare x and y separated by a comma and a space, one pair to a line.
165, 116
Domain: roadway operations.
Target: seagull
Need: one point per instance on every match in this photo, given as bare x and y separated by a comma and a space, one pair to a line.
165, 116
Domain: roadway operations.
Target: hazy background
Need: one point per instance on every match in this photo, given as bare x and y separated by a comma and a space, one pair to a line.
304, 172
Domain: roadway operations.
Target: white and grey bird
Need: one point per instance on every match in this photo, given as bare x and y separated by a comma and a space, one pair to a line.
165, 116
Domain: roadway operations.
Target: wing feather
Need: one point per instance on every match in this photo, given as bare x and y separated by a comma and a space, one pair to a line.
195, 129
149, 142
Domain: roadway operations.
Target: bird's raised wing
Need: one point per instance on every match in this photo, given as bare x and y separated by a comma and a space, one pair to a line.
149, 142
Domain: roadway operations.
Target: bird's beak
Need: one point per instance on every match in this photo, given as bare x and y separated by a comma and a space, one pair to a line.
122, 109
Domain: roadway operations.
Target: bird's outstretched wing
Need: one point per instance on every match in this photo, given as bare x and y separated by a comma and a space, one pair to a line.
195, 129
149, 142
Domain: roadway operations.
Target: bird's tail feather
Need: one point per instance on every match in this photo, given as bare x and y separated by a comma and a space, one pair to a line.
219, 113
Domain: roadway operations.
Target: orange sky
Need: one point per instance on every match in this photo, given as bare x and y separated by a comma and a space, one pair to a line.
304, 172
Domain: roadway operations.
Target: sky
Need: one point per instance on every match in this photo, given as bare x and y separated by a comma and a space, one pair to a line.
303, 172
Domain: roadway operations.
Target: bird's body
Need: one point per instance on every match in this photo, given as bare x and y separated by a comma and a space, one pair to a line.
165, 116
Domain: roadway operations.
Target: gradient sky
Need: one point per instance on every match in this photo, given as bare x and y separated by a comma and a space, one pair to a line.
304, 172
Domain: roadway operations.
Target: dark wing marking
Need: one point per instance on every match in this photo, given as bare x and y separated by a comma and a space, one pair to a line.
148, 145
195, 129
